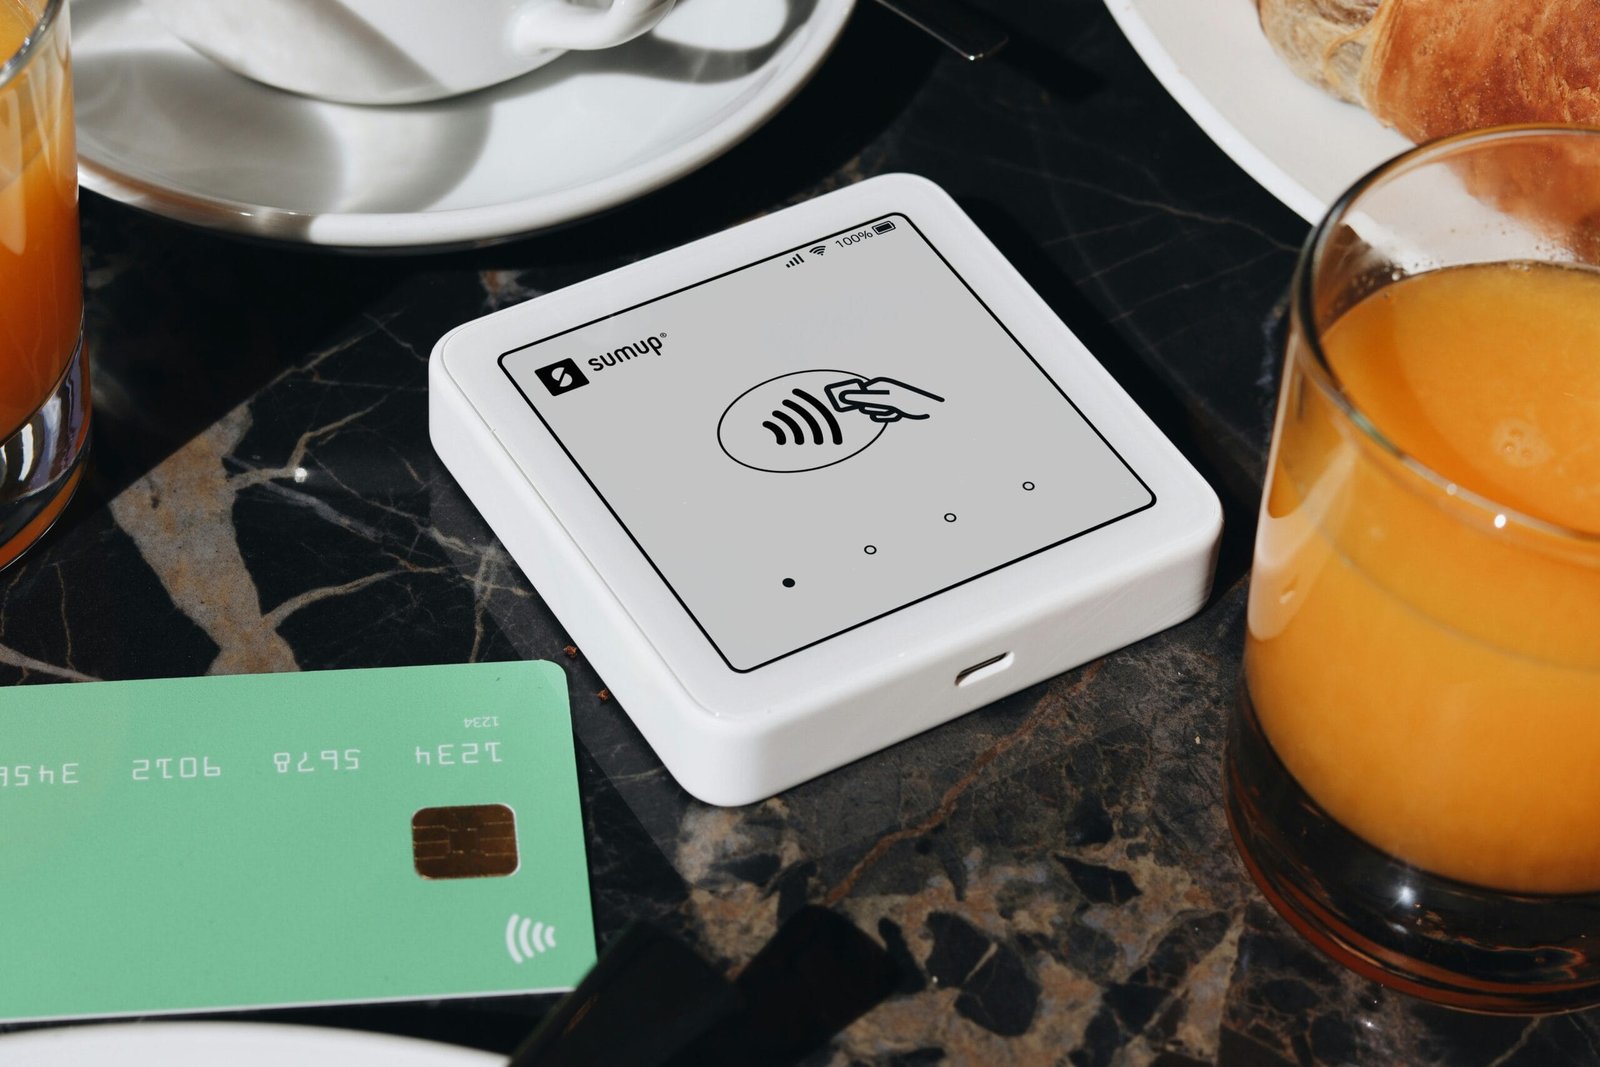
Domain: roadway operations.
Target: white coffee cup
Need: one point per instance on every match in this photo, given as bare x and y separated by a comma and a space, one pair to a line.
398, 51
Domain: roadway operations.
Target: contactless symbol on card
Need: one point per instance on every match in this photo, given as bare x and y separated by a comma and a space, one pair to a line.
784, 424
527, 938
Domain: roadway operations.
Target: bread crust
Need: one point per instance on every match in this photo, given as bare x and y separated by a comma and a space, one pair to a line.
1434, 67
1430, 68
1439, 66
1321, 40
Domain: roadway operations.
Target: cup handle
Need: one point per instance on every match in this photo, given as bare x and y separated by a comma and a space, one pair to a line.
559, 24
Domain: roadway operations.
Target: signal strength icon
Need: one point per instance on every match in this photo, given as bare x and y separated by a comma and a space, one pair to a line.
526, 939
807, 407
817, 250
794, 260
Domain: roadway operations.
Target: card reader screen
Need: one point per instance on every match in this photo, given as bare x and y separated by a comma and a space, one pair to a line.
822, 437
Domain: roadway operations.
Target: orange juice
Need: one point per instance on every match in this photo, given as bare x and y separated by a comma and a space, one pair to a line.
41, 302
1427, 666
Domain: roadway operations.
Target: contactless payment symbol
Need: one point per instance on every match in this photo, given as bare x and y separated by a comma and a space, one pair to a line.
815, 418
563, 376
526, 939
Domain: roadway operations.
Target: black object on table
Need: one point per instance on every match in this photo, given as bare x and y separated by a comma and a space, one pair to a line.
650, 1001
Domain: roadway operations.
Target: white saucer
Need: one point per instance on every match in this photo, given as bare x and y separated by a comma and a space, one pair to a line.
163, 129
205, 1044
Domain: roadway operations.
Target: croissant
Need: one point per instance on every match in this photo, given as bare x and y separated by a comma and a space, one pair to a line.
1433, 67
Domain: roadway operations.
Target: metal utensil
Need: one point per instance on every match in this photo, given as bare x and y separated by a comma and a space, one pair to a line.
958, 26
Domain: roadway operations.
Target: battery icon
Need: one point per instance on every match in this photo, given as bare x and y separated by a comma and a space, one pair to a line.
882, 227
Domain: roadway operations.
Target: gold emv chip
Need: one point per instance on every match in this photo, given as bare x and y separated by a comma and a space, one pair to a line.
464, 841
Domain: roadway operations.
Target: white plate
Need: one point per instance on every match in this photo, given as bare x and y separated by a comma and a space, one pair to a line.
204, 1044
163, 129
1303, 145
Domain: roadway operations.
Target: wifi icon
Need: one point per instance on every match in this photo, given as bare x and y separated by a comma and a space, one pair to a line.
817, 250
526, 939
798, 414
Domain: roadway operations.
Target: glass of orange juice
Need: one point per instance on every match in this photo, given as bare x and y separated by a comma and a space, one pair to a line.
1413, 772
44, 372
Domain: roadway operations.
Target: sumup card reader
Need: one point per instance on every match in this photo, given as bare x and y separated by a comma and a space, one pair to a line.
811, 485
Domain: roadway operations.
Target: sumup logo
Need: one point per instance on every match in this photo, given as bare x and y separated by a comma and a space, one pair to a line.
564, 375
645, 346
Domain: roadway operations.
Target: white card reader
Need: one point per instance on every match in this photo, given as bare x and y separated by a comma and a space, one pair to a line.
809, 486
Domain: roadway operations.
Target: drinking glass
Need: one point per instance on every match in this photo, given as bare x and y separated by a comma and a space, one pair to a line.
1412, 772
44, 373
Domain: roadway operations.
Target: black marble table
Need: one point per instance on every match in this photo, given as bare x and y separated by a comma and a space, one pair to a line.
1053, 873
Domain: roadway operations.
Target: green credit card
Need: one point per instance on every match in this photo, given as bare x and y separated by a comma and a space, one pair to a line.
194, 844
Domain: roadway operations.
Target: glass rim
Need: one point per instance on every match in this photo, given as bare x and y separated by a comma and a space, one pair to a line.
30, 44
1303, 311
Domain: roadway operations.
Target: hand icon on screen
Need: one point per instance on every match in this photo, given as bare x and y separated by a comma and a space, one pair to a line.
884, 399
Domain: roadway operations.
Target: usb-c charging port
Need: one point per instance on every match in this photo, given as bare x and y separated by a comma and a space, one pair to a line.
979, 671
